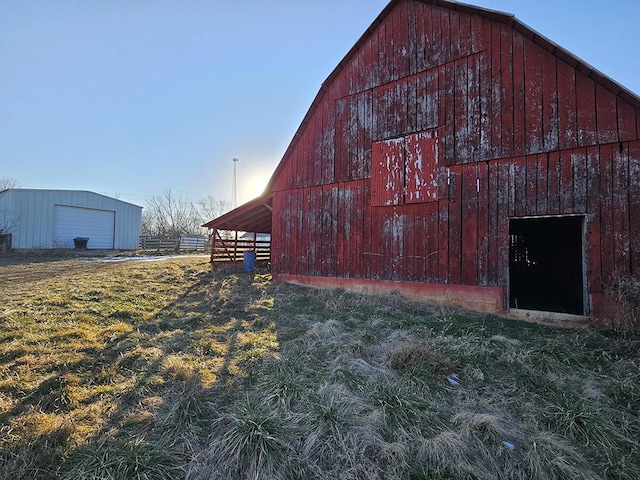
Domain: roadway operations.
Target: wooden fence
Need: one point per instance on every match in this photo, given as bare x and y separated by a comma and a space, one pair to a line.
190, 242
233, 250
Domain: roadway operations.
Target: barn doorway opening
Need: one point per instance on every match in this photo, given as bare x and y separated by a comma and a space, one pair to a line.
546, 264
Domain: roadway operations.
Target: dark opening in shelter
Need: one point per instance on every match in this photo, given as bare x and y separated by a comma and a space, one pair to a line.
545, 264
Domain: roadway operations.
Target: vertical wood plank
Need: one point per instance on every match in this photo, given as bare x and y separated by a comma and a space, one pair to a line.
502, 234
433, 238
355, 230
519, 93
342, 247
276, 232
328, 142
353, 131
566, 183
486, 113
496, 91
373, 65
424, 233
550, 119
474, 112
455, 228
294, 231
384, 52
377, 245
621, 209
465, 34
531, 203
586, 103
480, 33
401, 40
445, 36
449, 140
443, 240
419, 34
567, 117
388, 251
326, 253
341, 142
420, 243
454, 38
579, 167
304, 228
442, 99
542, 183
483, 194
533, 97
507, 94
553, 184
367, 233
400, 108
606, 115
410, 257
435, 56
288, 235
594, 265
493, 196
349, 238
607, 235
634, 206
626, 121
519, 177
469, 225
334, 227
317, 234
461, 119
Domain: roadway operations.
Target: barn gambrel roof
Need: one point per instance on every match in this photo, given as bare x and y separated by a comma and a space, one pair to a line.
243, 214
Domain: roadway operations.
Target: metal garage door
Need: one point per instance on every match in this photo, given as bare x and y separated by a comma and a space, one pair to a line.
96, 225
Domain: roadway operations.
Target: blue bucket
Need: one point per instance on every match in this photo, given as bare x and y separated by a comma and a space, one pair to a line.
249, 261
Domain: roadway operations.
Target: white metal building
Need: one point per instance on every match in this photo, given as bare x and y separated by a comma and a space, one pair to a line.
53, 218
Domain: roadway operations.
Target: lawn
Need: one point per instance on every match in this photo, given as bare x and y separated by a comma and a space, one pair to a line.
162, 370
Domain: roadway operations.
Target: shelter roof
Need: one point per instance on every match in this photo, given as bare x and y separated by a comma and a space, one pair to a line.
253, 216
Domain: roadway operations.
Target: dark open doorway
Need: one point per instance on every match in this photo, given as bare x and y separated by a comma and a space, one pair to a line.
545, 264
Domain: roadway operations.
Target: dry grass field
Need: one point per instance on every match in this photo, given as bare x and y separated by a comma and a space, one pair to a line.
162, 370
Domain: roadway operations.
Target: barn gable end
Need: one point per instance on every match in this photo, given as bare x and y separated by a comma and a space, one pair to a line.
432, 147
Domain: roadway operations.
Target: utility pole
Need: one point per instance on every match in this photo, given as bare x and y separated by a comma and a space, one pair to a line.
234, 190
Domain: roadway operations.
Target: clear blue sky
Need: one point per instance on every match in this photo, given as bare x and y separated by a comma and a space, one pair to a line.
130, 97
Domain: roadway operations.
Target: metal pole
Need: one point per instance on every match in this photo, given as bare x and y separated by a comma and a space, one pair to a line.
234, 191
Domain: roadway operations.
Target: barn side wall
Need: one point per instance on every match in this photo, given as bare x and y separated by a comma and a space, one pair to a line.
522, 131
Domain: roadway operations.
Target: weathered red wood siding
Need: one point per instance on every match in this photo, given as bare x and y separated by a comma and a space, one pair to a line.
522, 130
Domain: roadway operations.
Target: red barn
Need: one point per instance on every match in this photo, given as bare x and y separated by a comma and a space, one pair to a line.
457, 156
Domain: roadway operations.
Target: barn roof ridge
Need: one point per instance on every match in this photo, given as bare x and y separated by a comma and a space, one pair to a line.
508, 19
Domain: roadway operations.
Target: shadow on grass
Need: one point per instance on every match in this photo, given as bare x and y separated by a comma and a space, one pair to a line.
190, 355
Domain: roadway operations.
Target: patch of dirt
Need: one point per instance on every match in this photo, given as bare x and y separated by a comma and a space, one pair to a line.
21, 273
18, 268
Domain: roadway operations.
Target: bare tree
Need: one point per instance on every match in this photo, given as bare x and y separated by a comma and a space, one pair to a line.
170, 215
7, 182
210, 208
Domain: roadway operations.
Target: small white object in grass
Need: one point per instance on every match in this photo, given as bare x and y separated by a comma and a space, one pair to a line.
453, 379
509, 445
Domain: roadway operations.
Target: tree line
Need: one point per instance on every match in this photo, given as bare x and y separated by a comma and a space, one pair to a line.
169, 215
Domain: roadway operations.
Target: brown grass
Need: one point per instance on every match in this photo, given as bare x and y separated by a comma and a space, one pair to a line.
165, 371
